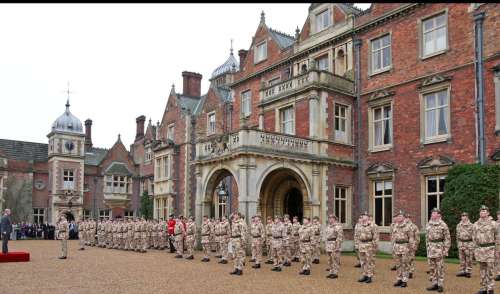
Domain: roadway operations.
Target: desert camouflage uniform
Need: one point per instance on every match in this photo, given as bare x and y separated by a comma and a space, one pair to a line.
438, 244
287, 251
258, 234
368, 241
81, 233
108, 232
154, 233
144, 235
278, 233
213, 245
190, 237
238, 234
114, 232
63, 234
356, 240
305, 237
179, 235
485, 239
137, 235
333, 235
92, 232
269, 240
225, 234
294, 240
402, 239
413, 247
218, 238
465, 245
394, 257
206, 232
315, 241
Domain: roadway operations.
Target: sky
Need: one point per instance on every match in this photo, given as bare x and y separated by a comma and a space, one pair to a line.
120, 59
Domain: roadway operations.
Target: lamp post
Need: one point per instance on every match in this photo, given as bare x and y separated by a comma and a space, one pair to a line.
223, 196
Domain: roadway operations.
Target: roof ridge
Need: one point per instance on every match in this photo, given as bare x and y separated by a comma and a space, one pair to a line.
282, 33
21, 141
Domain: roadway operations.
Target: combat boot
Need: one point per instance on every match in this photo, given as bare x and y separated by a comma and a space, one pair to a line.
461, 274
287, 264
358, 265
252, 260
234, 272
316, 261
368, 280
432, 288
178, 256
269, 262
482, 292
410, 276
393, 268
497, 278
363, 279
491, 292
403, 285
307, 272
190, 257
332, 276
223, 261
256, 265
440, 289
239, 272
468, 275
398, 283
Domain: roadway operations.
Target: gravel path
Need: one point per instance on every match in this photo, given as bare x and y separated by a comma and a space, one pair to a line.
97, 270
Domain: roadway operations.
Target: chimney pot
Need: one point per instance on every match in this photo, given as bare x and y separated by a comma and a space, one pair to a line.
191, 83
140, 127
243, 55
88, 134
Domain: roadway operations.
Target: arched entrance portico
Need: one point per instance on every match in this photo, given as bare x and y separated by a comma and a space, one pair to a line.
221, 194
283, 192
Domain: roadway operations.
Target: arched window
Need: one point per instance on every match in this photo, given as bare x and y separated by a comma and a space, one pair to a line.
303, 69
340, 63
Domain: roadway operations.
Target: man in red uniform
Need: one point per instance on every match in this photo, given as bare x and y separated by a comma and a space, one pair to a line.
171, 225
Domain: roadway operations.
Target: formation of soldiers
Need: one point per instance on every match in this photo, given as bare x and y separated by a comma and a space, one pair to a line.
285, 241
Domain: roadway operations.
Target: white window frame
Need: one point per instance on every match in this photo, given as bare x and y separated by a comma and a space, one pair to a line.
436, 108
347, 120
432, 31
372, 122
117, 184
86, 214
323, 57
128, 214
104, 214
283, 123
346, 202
68, 179
171, 131
381, 48
319, 25
38, 215
385, 218
246, 101
438, 193
211, 125
259, 54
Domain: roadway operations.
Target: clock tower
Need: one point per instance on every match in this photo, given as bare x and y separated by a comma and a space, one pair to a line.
66, 167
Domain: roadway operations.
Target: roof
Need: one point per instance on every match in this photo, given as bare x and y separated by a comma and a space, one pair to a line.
117, 168
21, 150
231, 64
188, 102
346, 7
224, 93
94, 156
68, 123
200, 104
283, 40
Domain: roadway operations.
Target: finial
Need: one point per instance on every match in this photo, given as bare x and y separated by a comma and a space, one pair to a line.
231, 50
262, 17
297, 32
150, 120
67, 100
119, 137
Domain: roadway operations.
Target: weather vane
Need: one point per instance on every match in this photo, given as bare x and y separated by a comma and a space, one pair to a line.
68, 92
231, 45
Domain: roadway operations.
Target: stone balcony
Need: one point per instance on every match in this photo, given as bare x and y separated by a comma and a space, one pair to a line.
262, 143
313, 79
117, 196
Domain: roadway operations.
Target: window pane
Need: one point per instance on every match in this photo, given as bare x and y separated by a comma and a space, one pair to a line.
378, 211
388, 188
428, 24
386, 40
378, 133
375, 44
430, 123
379, 188
378, 114
440, 20
337, 207
387, 132
377, 60
386, 56
337, 110
387, 112
343, 212
431, 185
440, 39
431, 203
441, 184
428, 43
387, 211
443, 128
337, 124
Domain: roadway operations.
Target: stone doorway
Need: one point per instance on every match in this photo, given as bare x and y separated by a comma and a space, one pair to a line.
69, 216
293, 204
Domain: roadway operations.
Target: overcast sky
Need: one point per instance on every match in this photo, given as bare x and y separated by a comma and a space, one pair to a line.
120, 59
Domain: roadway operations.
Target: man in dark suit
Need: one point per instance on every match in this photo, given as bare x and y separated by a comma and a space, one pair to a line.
5, 229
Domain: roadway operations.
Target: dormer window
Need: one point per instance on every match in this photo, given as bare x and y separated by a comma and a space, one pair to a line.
211, 123
170, 132
117, 184
323, 20
260, 52
149, 155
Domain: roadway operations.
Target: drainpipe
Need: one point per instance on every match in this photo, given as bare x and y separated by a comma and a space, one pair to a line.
478, 42
359, 146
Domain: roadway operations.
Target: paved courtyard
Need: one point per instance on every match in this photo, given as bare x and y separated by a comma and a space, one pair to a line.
98, 270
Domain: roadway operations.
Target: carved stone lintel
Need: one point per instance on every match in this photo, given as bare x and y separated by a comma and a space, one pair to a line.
432, 80
381, 94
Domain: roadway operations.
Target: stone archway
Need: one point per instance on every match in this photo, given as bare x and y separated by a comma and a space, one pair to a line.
69, 216
214, 204
284, 192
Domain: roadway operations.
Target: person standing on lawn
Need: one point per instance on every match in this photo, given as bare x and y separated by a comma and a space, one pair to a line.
368, 243
401, 239
465, 245
63, 234
485, 239
333, 245
438, 243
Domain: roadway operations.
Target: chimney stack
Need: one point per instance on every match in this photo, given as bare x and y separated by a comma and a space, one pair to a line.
88, 134
242, 54
139, 133
191, 83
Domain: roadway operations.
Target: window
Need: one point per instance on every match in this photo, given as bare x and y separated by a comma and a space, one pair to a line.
246, 100
434, 35
341, 123
38, 214
116, 184
149, 155
340, 204
211, 123
383, 203
166, 167
104, 214
381, 53
322, 63
158, 208
497, 100
86, 214
69, 179
434, 192
273, 81
323, 20
221, 206
260, 53
170, 132
436, 115
158, 168
163, 207
382, 126
128, 214
287, 120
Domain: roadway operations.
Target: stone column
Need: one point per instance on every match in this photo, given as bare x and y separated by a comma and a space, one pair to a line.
316, 191
199, 195
313, 114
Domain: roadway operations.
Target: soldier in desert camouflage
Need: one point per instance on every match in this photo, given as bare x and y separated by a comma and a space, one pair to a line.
206, 232
438, 244
63, 235
294, 239
368, 243
179, 233
190, 237
305, 237
315, 243
465, 245
258, 234
278, 232
238, 234
81, 241
485, 239
413, 246
269, 239
225, 234
402, 238
333, 235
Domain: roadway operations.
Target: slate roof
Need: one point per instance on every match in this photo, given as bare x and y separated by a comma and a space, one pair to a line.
346, 7
94, 156
224, 93
200, 104
21, 150
229, 65
188, 102
117, 168
283, 40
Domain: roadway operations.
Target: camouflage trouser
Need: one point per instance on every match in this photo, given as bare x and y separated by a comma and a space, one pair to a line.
294, 247
150, 240
206, 246
305, 255
334, 261
486, 273
137, 241
115, 240
239, 253
268, 247
64, 248
81, 242
287, 251
497, 261
403, 266
190, 245
316, 247
144, 241
436, 267
357, 256
465, 254
223, 247
277, 253
128, 241
109, 240
123, 241
161, 240
218, 245
92, 237
412, 261
178, 244
155, 241
257, 249
394, 257
367, 261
